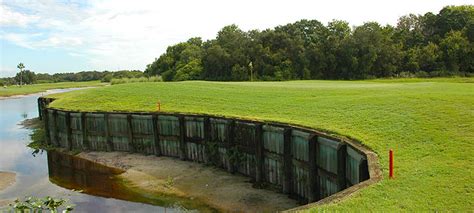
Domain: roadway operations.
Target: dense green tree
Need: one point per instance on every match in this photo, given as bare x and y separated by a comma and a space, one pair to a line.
190, 71
377, 54
25, 77
217, 62
455, 51
338, 53
423, 45
228, 50
177, 57
423, 58
454, 18
29, 77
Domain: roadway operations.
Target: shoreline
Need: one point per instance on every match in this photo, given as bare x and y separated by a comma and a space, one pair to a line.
211, 186
44, 92
7, 179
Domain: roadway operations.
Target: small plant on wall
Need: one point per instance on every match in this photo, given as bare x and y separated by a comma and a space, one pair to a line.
212, 151
235, 157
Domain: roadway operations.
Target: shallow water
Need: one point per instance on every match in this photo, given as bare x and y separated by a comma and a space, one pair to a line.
101, 191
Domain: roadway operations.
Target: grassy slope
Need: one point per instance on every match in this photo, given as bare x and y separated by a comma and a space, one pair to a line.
430, 126
35, 88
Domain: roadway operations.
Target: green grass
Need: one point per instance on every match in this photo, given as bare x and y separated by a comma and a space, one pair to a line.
35, 88
428, 124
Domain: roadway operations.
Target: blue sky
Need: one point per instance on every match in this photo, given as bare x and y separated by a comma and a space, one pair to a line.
74, 35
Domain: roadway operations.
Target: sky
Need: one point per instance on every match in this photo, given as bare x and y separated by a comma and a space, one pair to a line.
51, 36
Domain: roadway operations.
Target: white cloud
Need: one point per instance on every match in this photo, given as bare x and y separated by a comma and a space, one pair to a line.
7, 72
9, 17
115, 34
26, 40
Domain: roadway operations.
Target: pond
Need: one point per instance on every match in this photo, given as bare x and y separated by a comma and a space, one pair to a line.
90, 186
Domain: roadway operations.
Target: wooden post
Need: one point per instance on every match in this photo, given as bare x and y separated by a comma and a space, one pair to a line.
259, 157
108, 138
68, 131
46, 126
341, 166
287, 162
182, 137
207, 137
156, 134
313, 194
131, 146
85, 142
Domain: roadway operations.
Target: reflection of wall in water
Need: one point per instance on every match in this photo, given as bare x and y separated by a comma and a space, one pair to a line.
74, 173
95, 179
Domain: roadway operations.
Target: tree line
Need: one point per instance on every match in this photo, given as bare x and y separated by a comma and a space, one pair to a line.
419, 45
30, 77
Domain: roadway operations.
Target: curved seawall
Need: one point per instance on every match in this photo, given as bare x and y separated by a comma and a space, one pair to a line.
306, 164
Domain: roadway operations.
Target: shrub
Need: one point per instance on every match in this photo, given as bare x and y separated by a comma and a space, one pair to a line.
32, 204
136, 80
422, 74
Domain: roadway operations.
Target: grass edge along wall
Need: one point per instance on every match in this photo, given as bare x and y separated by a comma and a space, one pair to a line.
306, 164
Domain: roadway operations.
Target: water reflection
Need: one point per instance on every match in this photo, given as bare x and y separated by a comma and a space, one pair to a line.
95, 179
74, 173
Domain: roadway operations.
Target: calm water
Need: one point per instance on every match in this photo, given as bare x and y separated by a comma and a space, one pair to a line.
36, 178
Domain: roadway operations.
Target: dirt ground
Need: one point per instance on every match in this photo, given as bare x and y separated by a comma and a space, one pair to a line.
213, 186
6, 179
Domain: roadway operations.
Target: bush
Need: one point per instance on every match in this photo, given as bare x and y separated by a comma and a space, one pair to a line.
49, 204
406, 75
107, 78
422, 74
136, 80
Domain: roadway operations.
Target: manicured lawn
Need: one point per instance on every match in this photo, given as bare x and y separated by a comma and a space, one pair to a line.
35, 88
428, 123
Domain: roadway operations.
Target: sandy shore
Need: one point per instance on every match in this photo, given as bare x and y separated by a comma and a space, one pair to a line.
6, 179
215, 187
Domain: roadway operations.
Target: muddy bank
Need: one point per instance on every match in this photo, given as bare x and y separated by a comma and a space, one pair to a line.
32, 123
6, 179
215, 187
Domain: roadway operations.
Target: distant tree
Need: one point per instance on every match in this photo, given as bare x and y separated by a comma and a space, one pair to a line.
455, 47
216, 62
189, 71
26, 77
454, 18
428, 57
228, 50
107, 78
21, 66
176, 57
307, 49
29, 77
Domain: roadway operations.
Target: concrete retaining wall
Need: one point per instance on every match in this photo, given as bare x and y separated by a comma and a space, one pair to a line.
306, 164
